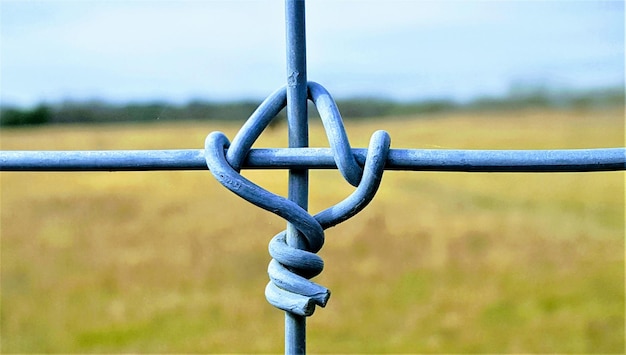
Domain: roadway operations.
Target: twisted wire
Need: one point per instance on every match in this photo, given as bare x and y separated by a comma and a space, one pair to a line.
290, 269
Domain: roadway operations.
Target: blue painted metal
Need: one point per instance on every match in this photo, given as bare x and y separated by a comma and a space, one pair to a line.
511, 161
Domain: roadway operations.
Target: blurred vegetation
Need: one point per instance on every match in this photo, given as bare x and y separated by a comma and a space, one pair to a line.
438, 263
354, 108
16, 117
102, 112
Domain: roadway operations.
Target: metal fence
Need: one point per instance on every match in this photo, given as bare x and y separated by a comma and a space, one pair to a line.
294, 250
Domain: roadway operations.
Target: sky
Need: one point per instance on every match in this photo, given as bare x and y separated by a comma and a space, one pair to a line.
177, 51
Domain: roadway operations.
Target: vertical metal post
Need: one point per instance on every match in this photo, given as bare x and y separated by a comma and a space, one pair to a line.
297, 118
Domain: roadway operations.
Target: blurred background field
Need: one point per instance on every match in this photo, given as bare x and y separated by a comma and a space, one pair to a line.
164, 262
171, 262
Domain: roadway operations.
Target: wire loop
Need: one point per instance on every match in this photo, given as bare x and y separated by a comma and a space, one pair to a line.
331, 119
290, 269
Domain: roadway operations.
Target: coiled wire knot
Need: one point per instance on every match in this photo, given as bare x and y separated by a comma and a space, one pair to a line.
291, 268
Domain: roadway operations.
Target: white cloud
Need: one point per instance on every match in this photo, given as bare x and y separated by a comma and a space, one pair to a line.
125, 50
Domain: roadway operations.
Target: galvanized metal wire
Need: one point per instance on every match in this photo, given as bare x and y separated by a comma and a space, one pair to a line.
485, 161
294, 259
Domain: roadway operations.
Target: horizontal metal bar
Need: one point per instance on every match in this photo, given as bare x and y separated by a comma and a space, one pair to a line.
569, 160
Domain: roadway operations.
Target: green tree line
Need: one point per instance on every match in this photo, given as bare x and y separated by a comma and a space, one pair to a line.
357, 108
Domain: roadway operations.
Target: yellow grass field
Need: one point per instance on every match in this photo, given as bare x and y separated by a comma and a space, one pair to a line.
171, 262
